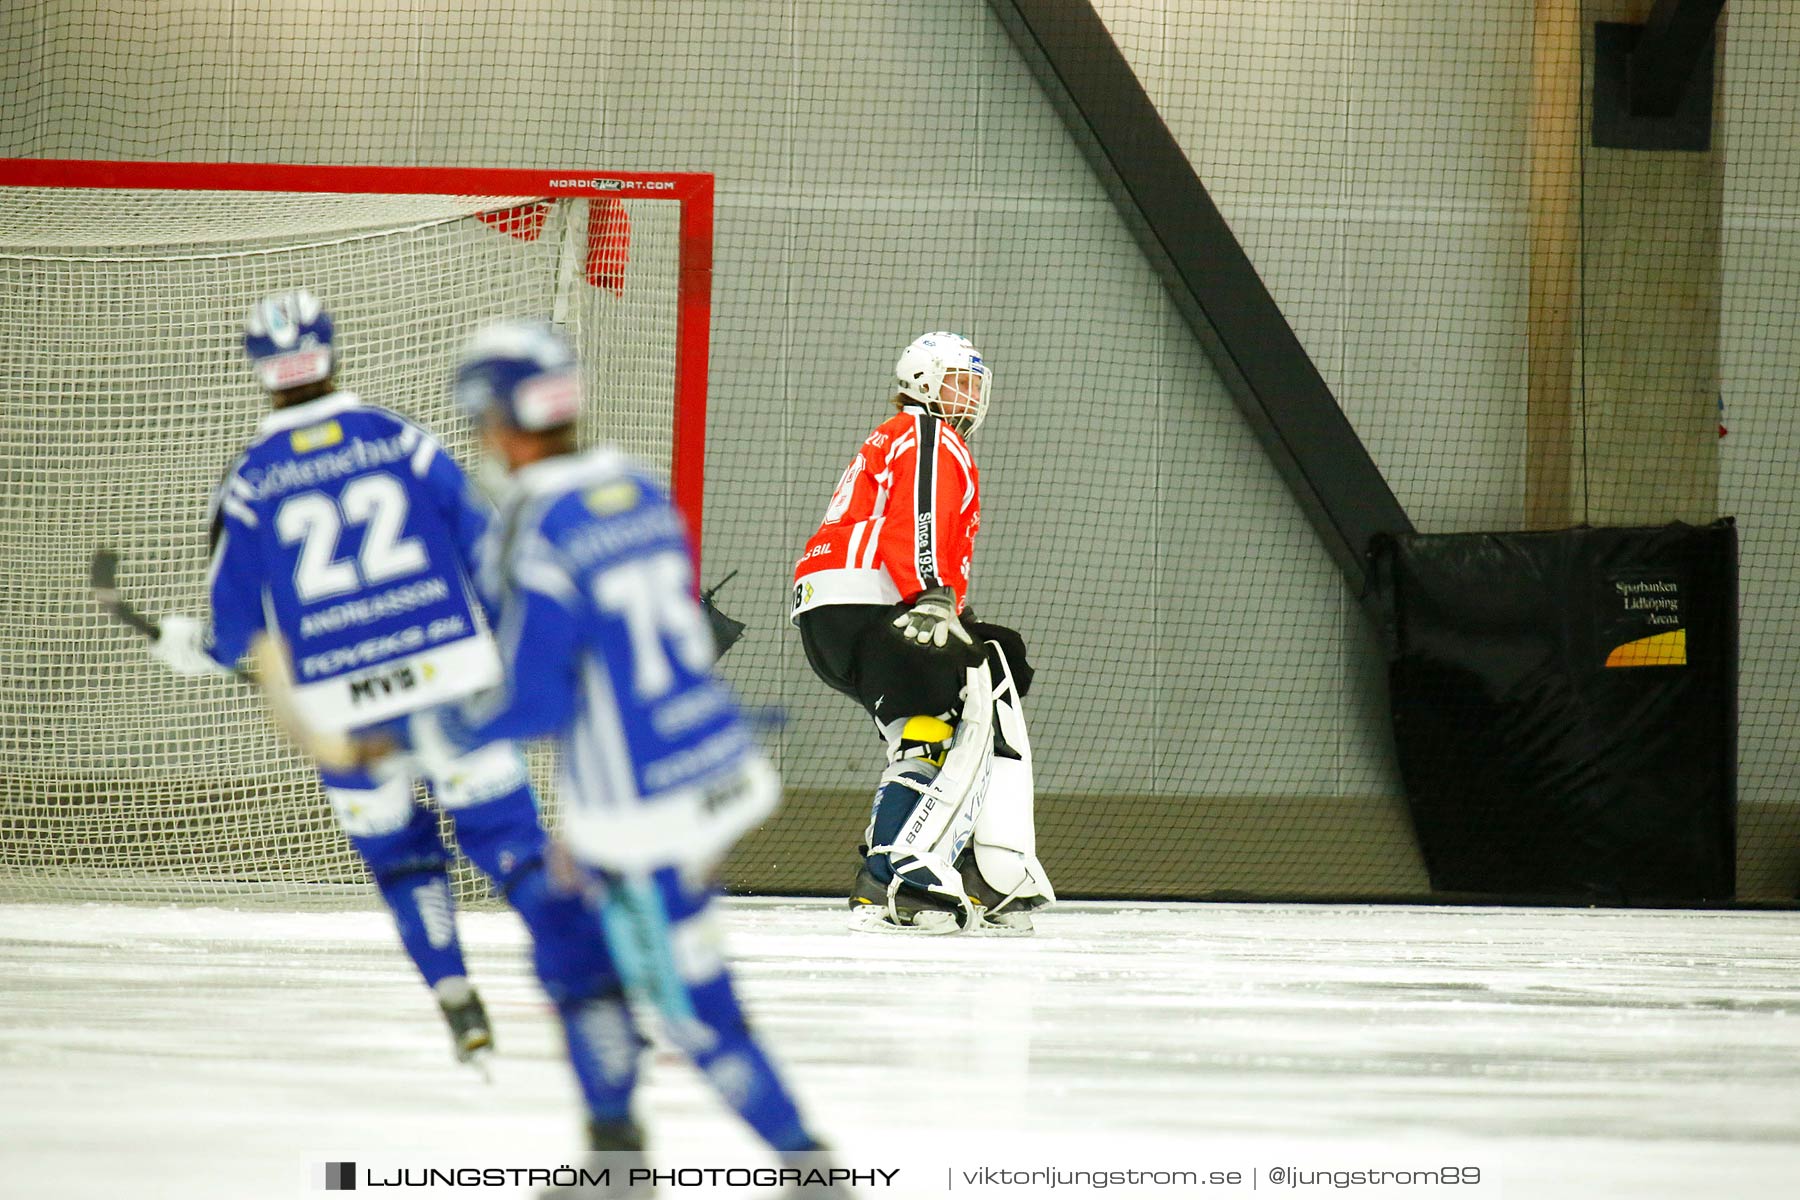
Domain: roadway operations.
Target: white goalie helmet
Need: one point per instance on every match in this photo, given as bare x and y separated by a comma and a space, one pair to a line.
944, 372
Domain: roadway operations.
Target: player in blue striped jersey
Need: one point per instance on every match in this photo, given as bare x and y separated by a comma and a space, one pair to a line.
608, 652
350, 533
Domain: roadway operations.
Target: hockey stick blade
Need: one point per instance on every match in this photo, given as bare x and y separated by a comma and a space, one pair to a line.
103, 570
103, 573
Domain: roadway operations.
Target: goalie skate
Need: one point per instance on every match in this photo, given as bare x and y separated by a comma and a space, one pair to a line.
1010, 922
874, 910
996, 915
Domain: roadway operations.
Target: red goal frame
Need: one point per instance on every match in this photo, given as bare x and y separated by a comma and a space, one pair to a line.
694, 192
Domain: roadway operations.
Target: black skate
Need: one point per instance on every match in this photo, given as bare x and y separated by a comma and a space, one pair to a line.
470, 1036
910, 910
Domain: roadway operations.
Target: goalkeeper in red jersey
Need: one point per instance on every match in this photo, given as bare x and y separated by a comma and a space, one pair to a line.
881, 601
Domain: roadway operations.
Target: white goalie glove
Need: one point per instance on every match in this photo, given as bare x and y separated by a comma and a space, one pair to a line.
932, 620
180, 646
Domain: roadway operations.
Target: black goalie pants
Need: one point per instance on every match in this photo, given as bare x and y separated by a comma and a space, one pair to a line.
855, 649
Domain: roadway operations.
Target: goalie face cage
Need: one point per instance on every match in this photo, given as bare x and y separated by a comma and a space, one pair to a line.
127, 394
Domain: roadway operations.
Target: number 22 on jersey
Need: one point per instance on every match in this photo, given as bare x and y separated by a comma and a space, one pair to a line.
314, 521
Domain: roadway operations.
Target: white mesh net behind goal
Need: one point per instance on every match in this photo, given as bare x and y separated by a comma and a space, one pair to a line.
126, 396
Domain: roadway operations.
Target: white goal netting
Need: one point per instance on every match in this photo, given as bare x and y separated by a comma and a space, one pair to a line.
124, 398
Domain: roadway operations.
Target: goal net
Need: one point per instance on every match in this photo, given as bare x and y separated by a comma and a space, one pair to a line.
126, 396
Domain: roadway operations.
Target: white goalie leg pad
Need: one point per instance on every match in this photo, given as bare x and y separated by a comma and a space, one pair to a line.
933, 835
899, 803
950, 803
1005, 833
1005, 842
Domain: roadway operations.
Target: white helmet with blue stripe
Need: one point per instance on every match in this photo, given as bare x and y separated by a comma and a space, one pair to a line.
288, 339
523, 372
944, 373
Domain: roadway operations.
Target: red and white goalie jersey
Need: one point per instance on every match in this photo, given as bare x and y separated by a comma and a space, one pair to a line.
903, 519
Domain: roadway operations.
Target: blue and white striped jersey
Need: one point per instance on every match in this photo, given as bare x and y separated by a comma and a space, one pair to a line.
352, 532
607, 649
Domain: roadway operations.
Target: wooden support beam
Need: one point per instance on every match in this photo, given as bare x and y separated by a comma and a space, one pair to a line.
1554, 300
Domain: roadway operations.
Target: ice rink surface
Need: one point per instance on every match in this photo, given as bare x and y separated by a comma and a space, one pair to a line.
195, 1053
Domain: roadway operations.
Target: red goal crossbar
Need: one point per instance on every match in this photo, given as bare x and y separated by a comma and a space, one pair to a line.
694, 192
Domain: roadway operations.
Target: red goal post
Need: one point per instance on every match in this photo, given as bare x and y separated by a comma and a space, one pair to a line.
122, 290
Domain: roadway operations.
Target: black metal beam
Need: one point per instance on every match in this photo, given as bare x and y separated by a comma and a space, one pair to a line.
1676, 35
1211, 279
1687, 127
